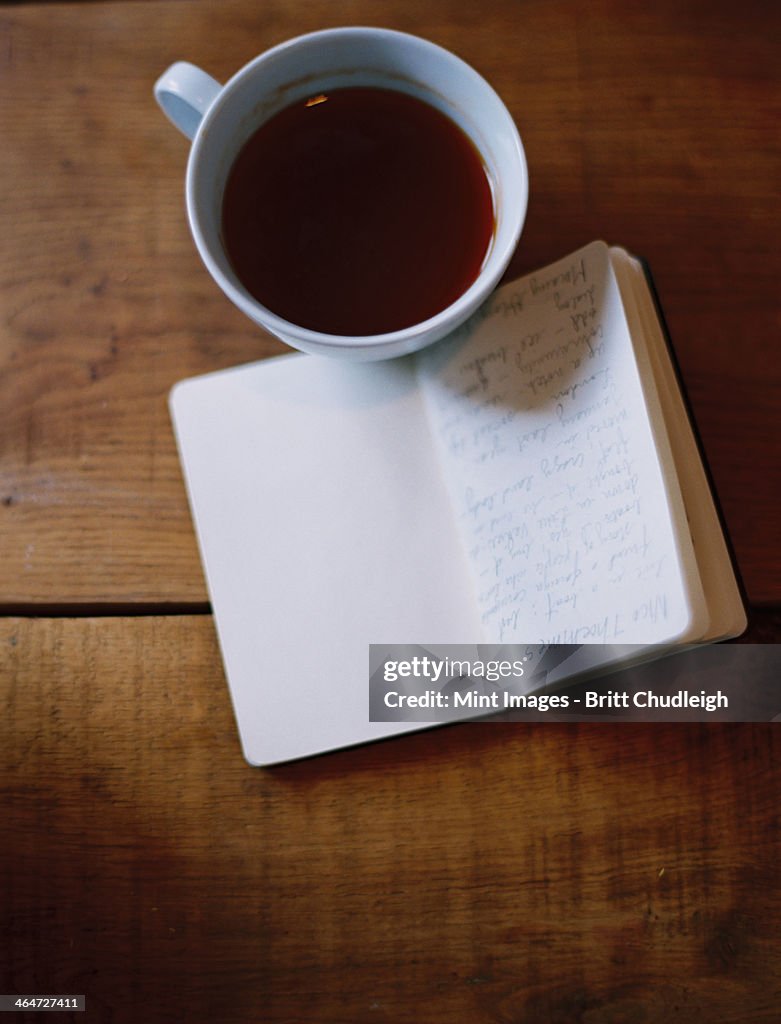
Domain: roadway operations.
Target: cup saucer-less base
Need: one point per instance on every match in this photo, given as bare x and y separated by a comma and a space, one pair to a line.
301, 67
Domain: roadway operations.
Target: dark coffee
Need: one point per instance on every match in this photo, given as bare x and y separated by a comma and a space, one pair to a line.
358, 212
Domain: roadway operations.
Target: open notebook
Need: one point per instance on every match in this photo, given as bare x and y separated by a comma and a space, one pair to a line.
532, 479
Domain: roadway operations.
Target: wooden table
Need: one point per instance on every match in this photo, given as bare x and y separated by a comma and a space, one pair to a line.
482, 873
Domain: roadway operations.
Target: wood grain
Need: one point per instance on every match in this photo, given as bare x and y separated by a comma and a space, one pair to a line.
482, 873
654, 126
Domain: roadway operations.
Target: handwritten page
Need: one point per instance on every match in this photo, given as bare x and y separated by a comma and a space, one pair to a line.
537, 409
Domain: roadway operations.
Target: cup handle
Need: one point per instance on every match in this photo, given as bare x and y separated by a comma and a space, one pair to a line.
185, 93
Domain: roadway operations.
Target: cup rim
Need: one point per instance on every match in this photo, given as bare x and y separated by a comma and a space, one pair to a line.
496, 260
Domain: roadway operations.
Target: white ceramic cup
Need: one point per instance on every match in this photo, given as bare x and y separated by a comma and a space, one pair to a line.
220, 118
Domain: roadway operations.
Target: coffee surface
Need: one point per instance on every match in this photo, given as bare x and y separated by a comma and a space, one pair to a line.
358, 212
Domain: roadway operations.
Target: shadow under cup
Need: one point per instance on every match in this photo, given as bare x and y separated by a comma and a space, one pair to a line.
354, 61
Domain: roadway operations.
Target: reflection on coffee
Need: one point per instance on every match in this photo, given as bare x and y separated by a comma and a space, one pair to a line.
358, 212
